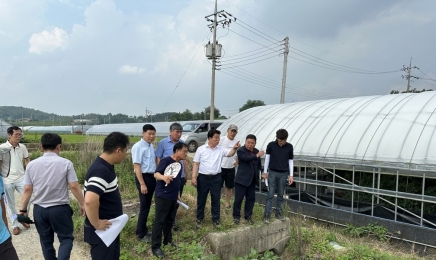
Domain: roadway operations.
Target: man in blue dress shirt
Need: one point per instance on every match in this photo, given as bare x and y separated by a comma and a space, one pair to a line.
144, 165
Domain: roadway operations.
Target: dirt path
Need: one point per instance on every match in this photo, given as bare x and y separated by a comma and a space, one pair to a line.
28, 246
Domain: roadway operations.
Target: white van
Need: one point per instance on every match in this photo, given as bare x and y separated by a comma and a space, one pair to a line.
195, 133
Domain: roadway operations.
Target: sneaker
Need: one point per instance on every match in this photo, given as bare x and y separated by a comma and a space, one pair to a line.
250, 221
198, 224
266, 219
236, 221
279, 216
217, 224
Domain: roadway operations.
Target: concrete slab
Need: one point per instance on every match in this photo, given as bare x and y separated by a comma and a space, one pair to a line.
238, 242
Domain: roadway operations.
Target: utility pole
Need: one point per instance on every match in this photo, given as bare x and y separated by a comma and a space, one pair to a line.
408, 70
214, 50
285, 66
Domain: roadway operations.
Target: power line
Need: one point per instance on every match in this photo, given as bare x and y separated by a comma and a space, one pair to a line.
293, 91
274, 42
251, 55
244, 60
251, 51
249, 39
272, 83
177, 85
346, 70
250, 62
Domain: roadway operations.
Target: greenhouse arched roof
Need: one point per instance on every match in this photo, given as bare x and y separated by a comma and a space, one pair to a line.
393, 131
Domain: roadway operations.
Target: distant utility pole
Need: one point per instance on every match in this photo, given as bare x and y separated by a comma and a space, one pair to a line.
213, 51
408, 70
285, 66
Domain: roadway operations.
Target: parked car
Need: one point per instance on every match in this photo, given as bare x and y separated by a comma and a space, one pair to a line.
195, 133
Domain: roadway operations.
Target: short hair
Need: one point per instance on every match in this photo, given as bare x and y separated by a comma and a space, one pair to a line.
176, 126
212, 132
12, 128
282, 134
147, 127
49, 141
179, 146
114, 141
251, 136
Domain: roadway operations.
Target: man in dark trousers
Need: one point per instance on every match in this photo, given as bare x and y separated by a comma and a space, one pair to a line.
166, 195
144, 165
102, 196
246, 179
279, 160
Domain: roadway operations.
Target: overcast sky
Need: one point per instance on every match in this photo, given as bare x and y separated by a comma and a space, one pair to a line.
80, 56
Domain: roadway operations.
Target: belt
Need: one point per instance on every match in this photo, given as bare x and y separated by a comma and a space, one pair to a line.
209, 175
148, 173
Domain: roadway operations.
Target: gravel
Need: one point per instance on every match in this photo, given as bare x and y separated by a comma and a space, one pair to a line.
28, 246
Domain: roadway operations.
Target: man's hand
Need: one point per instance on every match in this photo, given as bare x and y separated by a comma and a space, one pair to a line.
260, 153
103, 224
82, 210
194, 181
290, 180
167, 179
237, 145
265, 175
144, 189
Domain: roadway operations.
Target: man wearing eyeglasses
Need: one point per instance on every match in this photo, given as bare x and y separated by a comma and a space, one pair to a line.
279, 161
15, 180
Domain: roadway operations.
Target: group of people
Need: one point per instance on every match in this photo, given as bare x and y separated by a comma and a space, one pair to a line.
160, 172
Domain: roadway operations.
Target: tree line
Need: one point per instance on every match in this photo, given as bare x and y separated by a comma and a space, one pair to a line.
23, 116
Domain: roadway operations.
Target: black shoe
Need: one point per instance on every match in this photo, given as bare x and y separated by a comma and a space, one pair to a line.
236, 221
250, 221
158, 252
266, 219
172, 244
279, 216
145, 239
217, 224
198, 224
175, 228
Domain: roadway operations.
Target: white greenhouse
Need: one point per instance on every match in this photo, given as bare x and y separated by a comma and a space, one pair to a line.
357, 160
131, 129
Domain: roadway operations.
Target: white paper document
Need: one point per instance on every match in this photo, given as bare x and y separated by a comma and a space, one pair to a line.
183, 204
108, 236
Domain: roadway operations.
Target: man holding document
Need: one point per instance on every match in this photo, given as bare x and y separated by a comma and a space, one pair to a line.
168, 177
102, 196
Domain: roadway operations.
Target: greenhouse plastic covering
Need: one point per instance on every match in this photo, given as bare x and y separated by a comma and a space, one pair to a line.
131, 129
3, 128
396, 131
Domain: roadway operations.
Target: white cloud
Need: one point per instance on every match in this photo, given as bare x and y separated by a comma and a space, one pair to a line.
46, 41
127, 69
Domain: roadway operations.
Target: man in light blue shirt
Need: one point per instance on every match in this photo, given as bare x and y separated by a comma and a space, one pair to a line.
165, 149
144, 165
7, 250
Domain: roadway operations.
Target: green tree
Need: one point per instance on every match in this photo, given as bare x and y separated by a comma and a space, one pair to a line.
216, 114
251, 103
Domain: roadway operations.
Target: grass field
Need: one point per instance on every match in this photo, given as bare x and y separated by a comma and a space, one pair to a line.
309, 239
